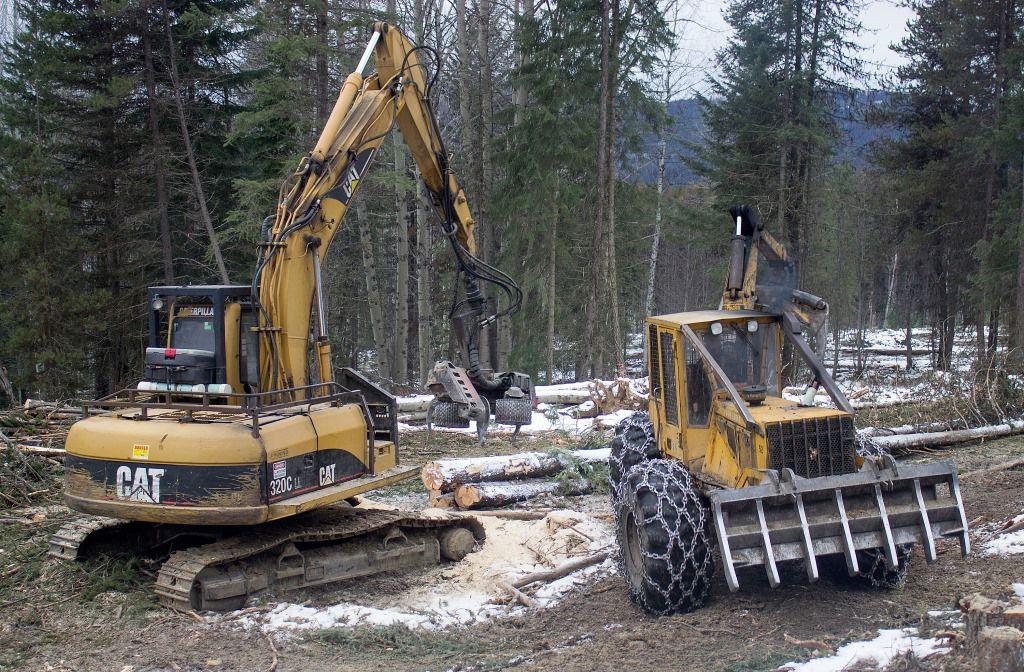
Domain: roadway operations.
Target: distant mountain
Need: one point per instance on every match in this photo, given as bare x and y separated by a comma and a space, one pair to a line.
856, 135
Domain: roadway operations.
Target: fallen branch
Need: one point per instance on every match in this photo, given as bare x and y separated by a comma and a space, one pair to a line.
513, 515
1002, 466
503, 493
519, 595
807, 643
566, 568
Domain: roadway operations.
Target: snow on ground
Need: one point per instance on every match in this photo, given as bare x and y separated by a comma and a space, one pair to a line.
469, 592
549, 420
1011, 543
882, 649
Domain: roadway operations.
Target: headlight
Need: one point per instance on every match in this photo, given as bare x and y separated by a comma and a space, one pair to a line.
752, 326
716, 328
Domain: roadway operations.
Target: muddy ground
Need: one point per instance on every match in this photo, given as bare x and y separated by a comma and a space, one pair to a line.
100, 616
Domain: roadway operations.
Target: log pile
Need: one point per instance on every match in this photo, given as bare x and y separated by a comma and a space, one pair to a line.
501, 480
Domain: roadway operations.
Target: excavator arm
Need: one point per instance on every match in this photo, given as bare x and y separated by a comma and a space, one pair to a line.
314, 201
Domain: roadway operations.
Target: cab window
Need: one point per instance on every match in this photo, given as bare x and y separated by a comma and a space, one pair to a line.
193, 333
699, 391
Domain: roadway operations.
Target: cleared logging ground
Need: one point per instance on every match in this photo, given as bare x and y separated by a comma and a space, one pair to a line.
99, 616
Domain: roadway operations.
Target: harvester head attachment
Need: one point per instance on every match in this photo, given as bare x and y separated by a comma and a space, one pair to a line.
882, 506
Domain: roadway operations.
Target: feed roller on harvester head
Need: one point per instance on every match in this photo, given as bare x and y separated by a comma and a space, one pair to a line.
235, 459
722, 460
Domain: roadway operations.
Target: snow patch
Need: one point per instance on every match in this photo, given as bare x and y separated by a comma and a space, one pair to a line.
1006, 544
882, 649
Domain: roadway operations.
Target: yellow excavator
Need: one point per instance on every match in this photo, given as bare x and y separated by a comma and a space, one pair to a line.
233, 460
722, 460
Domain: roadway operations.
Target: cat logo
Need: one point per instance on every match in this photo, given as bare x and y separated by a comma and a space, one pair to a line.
327, 474
139, 485
351, 182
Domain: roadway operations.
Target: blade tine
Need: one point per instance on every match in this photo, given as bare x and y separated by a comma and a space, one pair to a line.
890, 544
926, 526
769, 556
811, 561
723, 543
965, 537
851, 552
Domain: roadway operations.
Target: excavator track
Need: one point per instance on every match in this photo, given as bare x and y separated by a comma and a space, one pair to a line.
67, 542
223, 574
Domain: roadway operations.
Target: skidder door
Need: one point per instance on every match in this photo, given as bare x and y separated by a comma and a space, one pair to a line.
663, 359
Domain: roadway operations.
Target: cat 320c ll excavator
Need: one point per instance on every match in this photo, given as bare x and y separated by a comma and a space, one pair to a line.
234, 458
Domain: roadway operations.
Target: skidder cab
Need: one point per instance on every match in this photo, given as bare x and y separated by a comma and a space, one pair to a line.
723, 458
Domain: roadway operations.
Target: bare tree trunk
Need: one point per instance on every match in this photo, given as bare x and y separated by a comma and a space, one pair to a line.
189, 153
1018, 335
372, 291
592, 359
552, 277
401, 355
891, 290
322, 81
423, 257
166, 251
490, 241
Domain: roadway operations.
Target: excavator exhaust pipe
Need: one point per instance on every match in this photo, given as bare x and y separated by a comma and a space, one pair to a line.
883, 506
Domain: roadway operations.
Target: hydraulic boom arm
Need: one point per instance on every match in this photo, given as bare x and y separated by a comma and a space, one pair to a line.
314, 202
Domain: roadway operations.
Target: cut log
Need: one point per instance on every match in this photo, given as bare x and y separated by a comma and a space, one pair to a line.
563, 398
566, 568
927, 428
503, 493
442, 501
446, 475
936, 439
44, 452
417, 404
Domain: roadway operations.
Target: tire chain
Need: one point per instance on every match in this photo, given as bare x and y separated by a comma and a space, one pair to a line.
687, 564
634, 443
868, 447
876, 572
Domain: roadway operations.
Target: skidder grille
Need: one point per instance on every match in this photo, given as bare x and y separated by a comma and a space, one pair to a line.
813, 447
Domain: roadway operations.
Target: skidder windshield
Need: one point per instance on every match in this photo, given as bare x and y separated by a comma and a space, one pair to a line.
745, 353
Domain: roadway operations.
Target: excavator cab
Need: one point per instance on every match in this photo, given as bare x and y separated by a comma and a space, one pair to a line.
201, 339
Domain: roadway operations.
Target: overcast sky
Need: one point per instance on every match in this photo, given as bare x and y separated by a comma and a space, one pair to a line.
885, 22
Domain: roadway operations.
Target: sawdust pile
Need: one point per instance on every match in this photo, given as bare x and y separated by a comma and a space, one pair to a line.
469, 591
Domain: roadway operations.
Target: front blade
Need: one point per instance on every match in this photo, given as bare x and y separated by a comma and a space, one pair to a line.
882, 506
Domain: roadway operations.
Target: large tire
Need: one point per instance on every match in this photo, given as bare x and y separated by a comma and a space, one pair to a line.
662, 526
634, 443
